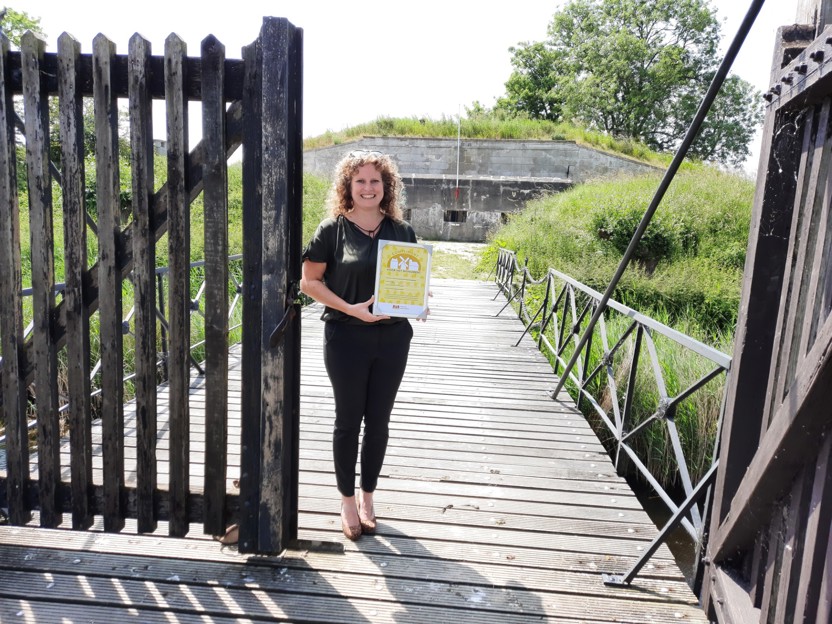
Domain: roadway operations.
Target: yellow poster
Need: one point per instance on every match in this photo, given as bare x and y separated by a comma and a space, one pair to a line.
402, 279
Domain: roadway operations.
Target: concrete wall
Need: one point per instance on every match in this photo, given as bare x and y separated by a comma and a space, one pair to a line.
495, 177
483, 203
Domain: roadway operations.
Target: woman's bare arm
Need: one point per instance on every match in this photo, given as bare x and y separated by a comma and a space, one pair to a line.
312, 284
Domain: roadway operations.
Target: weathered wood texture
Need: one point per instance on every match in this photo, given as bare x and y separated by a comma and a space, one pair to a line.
109, 296
11, 314
75, 267
179, 283
818, 13
36, 107
144, 282
280, 190
250, 398
496, 504
215, 178
128, 252
770, 525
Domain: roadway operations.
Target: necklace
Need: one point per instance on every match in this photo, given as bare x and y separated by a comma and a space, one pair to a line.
371, 233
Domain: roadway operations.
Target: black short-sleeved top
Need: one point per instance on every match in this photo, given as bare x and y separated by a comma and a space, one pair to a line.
350, 256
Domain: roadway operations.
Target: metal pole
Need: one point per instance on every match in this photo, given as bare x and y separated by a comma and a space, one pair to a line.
693, 130
458, 146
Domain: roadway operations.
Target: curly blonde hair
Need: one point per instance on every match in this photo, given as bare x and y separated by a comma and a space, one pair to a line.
339, 200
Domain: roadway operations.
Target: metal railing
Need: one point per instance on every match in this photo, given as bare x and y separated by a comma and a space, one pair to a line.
235, 285
561, 316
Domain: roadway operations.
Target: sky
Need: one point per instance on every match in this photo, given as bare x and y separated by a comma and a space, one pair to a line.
430, 58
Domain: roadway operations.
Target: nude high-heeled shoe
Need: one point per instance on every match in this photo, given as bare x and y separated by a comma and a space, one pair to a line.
368, 524
351, 532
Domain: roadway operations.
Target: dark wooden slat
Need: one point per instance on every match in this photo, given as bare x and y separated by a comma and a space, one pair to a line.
817, 534
824, 610
730, 599
12, 390
765, 259
233, 69
793, 547
283, 604
109, 281
216, 279
144, 285
251, 431
294, 140
124, 258
36, 107
804, 241
196, 500
75, 266
778, 366
796, 426
277, 444
818, 268
769, 598
179, 253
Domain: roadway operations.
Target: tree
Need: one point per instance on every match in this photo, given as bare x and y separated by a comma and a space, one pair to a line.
14, 24
532, 88
633, 69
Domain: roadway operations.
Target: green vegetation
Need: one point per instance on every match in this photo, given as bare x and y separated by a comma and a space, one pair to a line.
458, 262
687, 274
634, 69
14, 24
689, 264
481, 124
695, 418
314, 192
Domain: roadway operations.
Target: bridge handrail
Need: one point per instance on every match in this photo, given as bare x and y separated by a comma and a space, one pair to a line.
716, 356
562, 315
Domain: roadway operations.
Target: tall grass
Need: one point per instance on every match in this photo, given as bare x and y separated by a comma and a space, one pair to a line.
687, 275
489, 128
704, 218
696, 418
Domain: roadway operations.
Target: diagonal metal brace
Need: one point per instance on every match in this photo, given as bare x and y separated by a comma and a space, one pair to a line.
618, 580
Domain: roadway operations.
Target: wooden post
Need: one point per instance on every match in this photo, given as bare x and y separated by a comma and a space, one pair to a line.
754, 339
36, 107
815, 12
216, 279
179, 300
109, 281
144, 286
251, 422
75, 269
12, 387
281, 199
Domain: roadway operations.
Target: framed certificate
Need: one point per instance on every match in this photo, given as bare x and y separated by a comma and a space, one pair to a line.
402, 279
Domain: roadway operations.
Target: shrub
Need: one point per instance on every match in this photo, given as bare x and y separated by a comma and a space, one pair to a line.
689, 265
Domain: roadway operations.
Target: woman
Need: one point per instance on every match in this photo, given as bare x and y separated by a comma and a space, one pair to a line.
365, 354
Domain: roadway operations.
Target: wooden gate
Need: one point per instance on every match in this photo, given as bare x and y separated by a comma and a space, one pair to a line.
254, 103
769, 556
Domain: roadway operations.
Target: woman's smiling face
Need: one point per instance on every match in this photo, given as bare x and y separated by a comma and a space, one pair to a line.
367, 188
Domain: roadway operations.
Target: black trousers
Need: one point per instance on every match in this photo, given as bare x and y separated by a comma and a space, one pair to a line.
365, 364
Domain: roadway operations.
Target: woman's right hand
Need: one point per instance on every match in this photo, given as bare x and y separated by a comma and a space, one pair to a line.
362, 311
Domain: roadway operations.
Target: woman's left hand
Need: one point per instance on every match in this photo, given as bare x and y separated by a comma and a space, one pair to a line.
362, 311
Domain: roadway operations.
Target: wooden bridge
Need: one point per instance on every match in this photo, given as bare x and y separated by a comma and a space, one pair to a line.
496, 504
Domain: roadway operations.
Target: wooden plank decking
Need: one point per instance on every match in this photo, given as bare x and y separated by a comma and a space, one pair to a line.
496, 504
